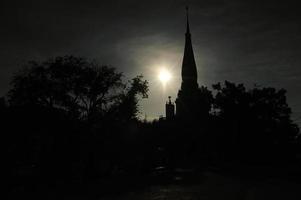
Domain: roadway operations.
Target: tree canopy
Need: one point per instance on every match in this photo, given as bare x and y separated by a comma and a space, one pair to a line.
84, 89
261, 111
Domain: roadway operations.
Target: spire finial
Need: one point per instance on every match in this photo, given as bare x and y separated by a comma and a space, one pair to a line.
187, 21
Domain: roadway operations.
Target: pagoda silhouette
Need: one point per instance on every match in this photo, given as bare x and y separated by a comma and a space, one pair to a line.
188, 100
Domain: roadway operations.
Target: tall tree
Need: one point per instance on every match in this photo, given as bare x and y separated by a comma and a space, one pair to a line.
84, 89
262, 112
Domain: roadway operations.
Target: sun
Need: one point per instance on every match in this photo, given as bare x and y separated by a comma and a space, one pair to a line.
164, 76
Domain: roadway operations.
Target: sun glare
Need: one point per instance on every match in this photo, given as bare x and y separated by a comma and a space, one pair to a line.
164, 76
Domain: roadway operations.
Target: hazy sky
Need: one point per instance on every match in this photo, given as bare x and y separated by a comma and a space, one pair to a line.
240, 41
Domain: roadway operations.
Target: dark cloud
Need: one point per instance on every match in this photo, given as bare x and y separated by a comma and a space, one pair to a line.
244, 41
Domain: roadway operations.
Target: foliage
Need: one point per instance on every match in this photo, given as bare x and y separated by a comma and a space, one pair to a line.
259, 111
205, 99
127, 107
84, 89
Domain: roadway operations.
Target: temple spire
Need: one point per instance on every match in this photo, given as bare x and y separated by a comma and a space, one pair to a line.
187, 21
188, 100
189, 71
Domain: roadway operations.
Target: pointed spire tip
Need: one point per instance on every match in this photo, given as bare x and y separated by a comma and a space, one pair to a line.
187, 21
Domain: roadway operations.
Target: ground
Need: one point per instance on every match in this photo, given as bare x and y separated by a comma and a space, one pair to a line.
219, 187
190, 185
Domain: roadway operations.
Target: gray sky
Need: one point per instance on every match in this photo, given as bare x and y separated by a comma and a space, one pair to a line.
252, 42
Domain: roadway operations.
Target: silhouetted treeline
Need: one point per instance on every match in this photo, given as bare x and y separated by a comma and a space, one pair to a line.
238, 125
70, 121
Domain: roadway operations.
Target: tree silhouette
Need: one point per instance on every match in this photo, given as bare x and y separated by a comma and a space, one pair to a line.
256, 120
83, 89
127, 107
68, 118
205, 101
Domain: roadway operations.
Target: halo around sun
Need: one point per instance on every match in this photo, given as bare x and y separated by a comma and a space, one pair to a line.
164, 76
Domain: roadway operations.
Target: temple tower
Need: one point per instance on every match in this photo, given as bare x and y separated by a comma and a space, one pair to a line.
169, 109
188, 96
